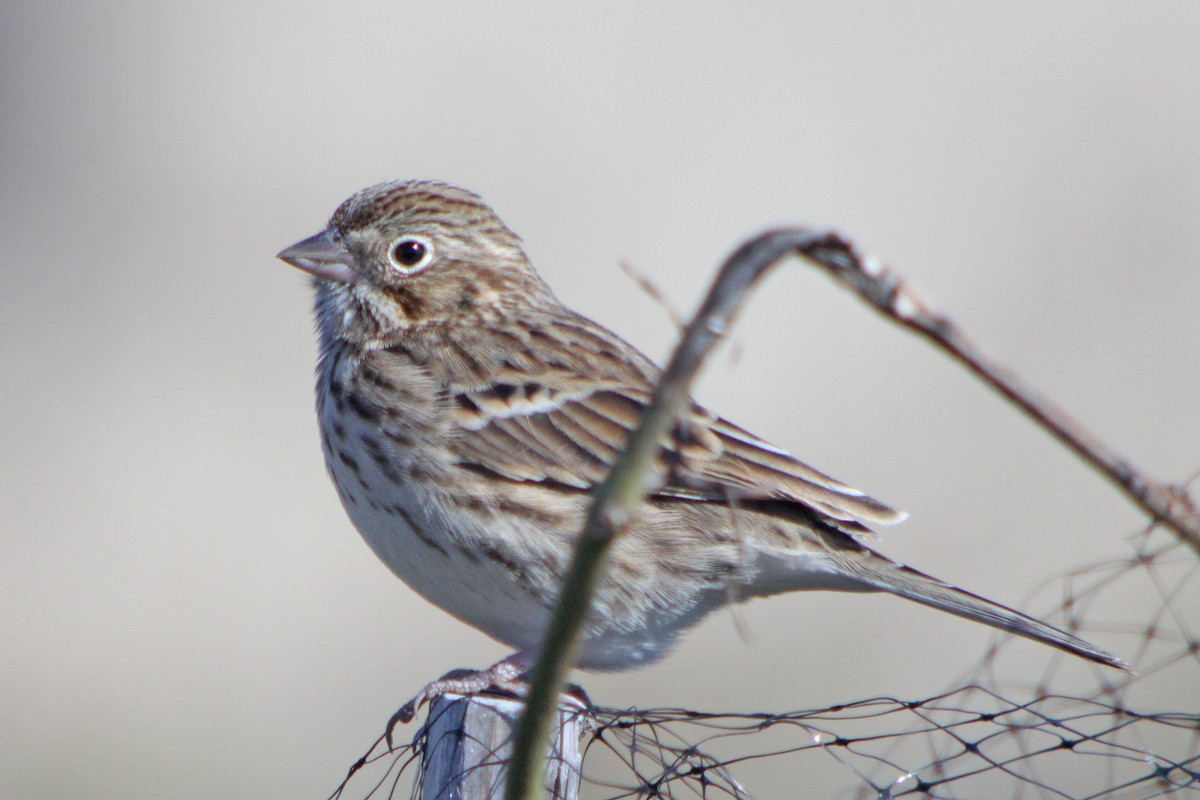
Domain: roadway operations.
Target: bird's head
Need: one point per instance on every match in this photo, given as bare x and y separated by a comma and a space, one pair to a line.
408, 253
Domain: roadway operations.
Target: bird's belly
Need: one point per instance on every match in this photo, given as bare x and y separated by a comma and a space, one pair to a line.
411, 528
408, 532
455, 561
502, 572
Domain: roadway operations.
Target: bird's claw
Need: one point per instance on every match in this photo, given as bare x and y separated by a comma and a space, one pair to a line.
403, 716
504, 676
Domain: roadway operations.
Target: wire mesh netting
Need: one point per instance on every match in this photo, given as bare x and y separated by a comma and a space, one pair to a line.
1114, 736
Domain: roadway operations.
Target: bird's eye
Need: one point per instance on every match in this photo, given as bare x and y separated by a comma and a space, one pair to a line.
410, 254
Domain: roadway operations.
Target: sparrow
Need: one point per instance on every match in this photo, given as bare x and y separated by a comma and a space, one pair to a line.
466, 415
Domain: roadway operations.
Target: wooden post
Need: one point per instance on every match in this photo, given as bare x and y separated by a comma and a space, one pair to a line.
468, 742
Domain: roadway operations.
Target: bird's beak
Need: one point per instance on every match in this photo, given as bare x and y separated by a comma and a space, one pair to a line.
321, 255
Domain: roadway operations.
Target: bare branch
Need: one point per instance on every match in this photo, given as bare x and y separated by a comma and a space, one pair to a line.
893, 297
617, 499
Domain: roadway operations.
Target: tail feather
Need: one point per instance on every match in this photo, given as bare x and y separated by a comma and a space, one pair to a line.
887, 575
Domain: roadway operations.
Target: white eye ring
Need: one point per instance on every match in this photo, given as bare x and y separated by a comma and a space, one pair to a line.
410, 254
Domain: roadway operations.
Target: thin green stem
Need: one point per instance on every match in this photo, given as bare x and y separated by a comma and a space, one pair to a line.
618, 497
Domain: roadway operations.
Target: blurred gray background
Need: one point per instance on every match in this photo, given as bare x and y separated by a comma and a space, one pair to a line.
185, 611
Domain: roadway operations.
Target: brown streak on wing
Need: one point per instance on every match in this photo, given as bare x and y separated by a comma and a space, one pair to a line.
565, 422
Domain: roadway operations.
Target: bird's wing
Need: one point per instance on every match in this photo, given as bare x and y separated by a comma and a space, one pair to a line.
567, 428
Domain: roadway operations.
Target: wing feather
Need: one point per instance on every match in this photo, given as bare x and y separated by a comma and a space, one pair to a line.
566, 421
573, 443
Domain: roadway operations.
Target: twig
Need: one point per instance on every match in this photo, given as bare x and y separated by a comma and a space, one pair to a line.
893, 297
650, 288
618, 497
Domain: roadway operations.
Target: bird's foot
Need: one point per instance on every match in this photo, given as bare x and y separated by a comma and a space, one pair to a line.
506, 675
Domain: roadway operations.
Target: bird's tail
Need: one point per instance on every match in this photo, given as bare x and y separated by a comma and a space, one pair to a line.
881, 573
